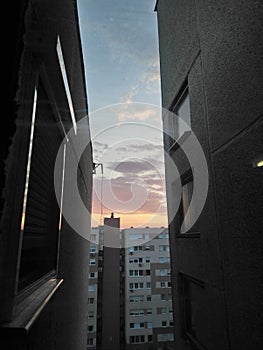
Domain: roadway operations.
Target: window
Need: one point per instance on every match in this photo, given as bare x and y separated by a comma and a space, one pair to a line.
165, 337
163, 235
136, 285
136, 298
184, 216
187, 192
147, 260
164, 248
92, 275
149, 298
148, 285
91, 314
90, 342
149, 325
41, 222
135, 236
135, 273
137, 312
149, 311
93, 238
33, 211
137, 339
150, 338
164, 323
148, 272
182, 109
180, 121
163, 310
93, 250
90, 301
161, 284
90, 328
66, 84
92, 262
91, 288
193, 299
136, 325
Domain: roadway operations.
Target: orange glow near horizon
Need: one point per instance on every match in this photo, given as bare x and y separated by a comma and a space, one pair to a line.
133, 220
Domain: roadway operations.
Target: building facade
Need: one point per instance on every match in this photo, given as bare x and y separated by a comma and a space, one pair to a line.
211, 75
95, 269
44, 261
106, 295
140, 304
148, 299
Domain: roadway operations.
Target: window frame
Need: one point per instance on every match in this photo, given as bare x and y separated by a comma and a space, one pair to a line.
171, 145
185, 309
194, 231
44, 287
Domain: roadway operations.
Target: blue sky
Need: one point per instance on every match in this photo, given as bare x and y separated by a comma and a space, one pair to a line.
120, 47
121, 58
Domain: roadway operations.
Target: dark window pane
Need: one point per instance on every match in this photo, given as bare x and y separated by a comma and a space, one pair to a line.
41, 217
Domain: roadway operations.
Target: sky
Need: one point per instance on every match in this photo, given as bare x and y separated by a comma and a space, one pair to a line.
121, 59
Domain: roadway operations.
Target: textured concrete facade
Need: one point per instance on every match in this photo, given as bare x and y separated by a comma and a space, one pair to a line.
216, 48
58, 322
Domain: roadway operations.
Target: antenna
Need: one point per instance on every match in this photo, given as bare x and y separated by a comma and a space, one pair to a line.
95, 166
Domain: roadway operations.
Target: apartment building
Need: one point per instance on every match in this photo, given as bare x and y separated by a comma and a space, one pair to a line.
148, 299
43, 260
106, 289
211, 77
94, 270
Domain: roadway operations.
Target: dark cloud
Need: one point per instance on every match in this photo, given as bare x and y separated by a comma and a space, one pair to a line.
124, 188
132, 167
138, 148
98, 145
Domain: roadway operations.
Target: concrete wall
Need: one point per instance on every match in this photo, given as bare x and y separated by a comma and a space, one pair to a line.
218, 46
62, 324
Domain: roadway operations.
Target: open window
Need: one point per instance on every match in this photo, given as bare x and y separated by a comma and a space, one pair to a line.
40, 224
34, 244
191, 313
183, 217
178, 121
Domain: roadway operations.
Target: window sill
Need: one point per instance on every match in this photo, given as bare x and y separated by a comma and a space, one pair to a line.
188, 235
194, 342
29, 309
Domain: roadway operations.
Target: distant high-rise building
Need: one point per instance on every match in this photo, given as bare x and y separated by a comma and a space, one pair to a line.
148, 299
132, 287
107, 260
